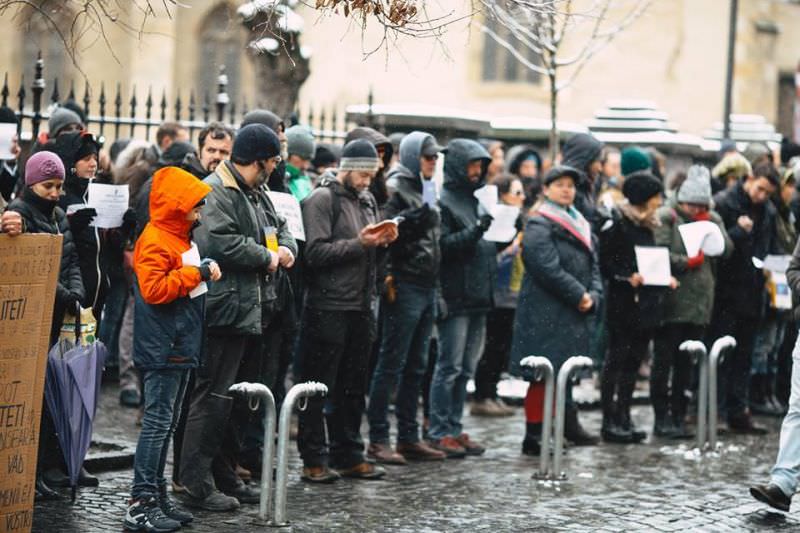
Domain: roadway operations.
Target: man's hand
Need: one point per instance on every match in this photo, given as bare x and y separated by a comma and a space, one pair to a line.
745, 222
11, 223
586, 303
636, 280
274, 261
390, 235
216, 273
285, 257
674, 283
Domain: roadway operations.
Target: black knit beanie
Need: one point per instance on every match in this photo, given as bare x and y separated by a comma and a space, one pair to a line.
640, 186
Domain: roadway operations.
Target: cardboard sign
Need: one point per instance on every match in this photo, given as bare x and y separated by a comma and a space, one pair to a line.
29, 266
288, 207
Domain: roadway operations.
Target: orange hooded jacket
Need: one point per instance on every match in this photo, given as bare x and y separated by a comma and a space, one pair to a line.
157, 261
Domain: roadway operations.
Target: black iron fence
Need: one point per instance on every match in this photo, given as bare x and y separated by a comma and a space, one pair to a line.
112, 117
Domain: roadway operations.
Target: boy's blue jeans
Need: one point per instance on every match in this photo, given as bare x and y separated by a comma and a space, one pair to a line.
786, 471
163, 395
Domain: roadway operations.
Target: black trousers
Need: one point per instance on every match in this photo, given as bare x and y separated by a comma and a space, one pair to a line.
669, 395
626, 350
228, 359
499, 330
334, 350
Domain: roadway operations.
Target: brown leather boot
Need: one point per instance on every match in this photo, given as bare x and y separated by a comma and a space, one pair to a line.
383, 453
419, 451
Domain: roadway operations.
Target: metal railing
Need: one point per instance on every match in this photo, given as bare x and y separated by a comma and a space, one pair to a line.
543, 370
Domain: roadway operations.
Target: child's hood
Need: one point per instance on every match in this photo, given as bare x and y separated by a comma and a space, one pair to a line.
174, 194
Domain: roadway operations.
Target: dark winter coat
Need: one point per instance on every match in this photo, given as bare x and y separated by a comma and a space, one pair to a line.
415, 255
38, 218
340, 271
232, 234
469, 263
559, 269
578, 152
693, 301
741, 286
631, 308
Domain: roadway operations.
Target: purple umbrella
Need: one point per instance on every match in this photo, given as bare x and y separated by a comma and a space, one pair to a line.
72, 389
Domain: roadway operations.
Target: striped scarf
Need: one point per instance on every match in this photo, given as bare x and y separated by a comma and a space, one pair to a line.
570, 219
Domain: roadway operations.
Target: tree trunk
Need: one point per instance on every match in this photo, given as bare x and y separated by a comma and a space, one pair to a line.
553, 115
279, 80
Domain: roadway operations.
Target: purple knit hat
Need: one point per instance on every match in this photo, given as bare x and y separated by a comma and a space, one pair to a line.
43, 166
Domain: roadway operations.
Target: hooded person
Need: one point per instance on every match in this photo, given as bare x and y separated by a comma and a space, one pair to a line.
524, 161
169, 328
583, 152
467, 274
733, 168
63, 120
277, 180
385, 152
243, 233
632, 309
408, 304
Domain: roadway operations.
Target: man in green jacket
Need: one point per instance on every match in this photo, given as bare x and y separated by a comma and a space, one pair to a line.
241, 230
687, 310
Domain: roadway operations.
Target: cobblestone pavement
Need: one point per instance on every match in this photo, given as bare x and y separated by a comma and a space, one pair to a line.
657, 486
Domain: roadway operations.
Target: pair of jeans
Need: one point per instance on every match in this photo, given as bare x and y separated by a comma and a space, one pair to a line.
735, 374
669, 395
209, 422
499, 330
461, 341
786, 471
335, 351
402, 361
164, 390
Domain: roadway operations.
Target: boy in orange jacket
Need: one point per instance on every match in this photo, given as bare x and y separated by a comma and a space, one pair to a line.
168, 325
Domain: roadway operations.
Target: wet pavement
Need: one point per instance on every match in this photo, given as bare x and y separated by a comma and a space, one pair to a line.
660, 485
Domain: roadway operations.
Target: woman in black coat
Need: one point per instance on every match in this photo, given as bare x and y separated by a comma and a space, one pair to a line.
633, 310
39, 213
560, 291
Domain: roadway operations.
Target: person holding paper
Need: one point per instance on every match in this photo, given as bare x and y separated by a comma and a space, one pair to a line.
560, 293
633, 308
408, 306
749, 218
9, 154
168, 322
467, 279
686, 311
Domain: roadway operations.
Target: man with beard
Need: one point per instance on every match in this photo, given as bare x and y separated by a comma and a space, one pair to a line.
238, 233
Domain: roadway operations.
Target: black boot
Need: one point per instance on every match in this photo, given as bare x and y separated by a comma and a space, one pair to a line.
573, 431
663, 425
44, 493
626, 424
770, 399
627, 384
532, 444
758, 403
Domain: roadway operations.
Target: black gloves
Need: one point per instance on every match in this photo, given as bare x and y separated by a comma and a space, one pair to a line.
129, 219
484, 221
81, 218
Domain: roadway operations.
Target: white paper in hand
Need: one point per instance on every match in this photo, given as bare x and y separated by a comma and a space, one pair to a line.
288, 207
503, 228
487, 195
7, 132
429, 192
703, 235
652, 262
191, 257
110, 202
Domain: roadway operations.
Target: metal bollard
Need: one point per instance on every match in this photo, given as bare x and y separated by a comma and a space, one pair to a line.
698, 350
301, 390
260, 390
718, 350
575, 362
543, 369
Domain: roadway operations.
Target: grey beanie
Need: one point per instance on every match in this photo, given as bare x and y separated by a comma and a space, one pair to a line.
300, 142
696, 189
60, 119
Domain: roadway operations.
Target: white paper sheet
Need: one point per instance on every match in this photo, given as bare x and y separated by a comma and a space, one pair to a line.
503, 228
487, 195
288, 207
783, 294
191, 257
777, 263
653, 264
7, 132
429, 195
703, 235
110, 201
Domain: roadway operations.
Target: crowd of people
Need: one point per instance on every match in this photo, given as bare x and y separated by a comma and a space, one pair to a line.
393, 295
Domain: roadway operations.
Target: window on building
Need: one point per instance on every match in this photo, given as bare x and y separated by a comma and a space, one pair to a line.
220, 43
786, 102
499, 64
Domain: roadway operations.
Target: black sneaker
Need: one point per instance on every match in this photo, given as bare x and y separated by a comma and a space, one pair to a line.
772, 495
146, 515
173, 511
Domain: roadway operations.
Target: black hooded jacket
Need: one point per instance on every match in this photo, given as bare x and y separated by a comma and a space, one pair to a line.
514, 158
469, 263
578, 152
415, 255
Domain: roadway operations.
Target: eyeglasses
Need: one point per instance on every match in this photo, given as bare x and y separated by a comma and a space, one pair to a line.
433, 157
277, 159
518, 193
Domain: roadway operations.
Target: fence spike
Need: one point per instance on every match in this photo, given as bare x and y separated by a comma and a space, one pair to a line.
21, 99
191, 112
54, 96
178, 106
71, 95
86, 98
102, 101
38, 88
163, 105
244, 107
5, 92
133, 110
117, 110
206, 107
148, 109
323, 120
233, 112
222, 94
